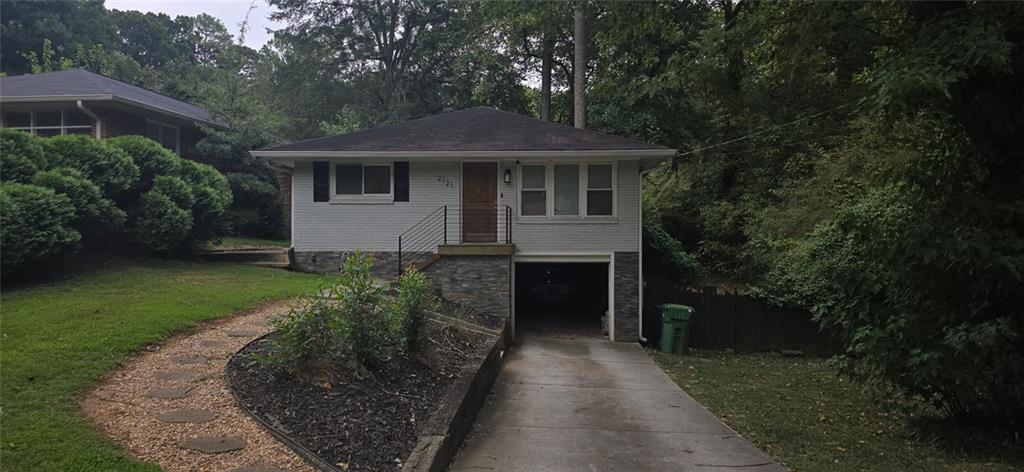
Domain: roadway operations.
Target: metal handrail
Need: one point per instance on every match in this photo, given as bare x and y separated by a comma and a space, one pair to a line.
422, 237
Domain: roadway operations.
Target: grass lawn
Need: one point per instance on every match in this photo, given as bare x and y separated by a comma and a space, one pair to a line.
59, 337
798, 411
248, 243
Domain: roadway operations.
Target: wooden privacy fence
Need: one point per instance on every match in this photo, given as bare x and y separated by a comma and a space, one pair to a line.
741, 323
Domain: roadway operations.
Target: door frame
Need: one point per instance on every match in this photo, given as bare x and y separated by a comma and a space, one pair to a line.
462, 194
567, 258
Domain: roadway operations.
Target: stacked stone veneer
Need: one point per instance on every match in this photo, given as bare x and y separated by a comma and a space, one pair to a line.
385, 264
627, 296
481, 282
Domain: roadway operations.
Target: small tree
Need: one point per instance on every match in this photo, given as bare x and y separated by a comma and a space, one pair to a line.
411, 308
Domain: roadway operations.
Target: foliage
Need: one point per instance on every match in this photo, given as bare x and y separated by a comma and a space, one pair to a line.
151, 158
665, 256
160, 225
35, 223
805, 416
95, 215
256, 207
363, 310
413, 302
174, 188
20, 155
63, 335
108, 167
212, 197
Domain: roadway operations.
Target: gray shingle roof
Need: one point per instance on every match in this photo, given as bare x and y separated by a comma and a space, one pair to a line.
80, 84
473, 129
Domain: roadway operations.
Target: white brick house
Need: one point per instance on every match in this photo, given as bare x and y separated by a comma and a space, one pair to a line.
507, 213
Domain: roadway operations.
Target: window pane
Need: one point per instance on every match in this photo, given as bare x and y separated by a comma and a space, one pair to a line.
349, 179
599, 202
153, 131
377, 179
85, 131
567, 189
533, 176
47, 132
535, 203
17, 119
599, 176
169, 138
76, 118
48, 118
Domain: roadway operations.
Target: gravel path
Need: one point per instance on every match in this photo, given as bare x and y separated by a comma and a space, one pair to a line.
171, 403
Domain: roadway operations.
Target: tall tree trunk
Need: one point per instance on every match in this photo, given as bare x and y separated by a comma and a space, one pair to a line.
545, 78
579, 67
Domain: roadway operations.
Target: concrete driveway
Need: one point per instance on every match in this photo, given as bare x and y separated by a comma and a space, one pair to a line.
565, 403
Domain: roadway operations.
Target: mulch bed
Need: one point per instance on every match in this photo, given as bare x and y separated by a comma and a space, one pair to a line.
358, 420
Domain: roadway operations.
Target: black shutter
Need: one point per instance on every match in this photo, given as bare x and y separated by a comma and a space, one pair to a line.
401, 181
321, 181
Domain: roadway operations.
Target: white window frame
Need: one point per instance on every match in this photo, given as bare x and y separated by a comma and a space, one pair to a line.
363, 197
63, 126
160, 134
549, 188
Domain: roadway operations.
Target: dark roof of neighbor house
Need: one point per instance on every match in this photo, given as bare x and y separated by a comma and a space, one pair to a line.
80, 84
473, 129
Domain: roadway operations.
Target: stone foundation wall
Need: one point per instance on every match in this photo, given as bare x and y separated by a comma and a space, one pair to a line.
627, 296
385, 264
481, 282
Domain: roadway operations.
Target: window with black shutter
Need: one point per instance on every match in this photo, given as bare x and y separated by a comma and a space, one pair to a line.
321, 181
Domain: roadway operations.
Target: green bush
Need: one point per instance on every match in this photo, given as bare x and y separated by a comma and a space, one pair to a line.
151, 158
160, 225
256, 207
347, 320
413, 302
108, 167
20, 156
35, 223
94, 213
179, 192
212, 198
665, 256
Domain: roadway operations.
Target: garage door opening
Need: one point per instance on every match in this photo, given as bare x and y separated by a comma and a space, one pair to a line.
569, 298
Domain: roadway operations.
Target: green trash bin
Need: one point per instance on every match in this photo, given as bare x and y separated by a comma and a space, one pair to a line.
675, 328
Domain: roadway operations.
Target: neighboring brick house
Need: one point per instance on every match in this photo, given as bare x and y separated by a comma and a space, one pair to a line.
509, 214
77, 101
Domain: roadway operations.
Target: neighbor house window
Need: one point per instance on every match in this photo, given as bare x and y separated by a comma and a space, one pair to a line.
567, 190
534, 195
46, 123
600, 192
362, 179
167, 135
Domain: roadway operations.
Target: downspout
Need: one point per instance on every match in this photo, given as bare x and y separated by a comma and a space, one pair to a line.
99, 123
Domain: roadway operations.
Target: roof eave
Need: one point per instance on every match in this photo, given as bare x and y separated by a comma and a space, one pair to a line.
298, 156
110, 98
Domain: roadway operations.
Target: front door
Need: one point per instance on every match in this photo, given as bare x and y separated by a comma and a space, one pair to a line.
479, 202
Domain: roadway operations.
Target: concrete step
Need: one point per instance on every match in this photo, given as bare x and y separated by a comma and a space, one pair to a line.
247, 256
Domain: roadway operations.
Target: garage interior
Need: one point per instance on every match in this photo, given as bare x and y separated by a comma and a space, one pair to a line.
561, 298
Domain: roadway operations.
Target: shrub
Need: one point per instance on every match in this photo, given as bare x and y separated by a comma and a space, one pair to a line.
35, 223
179, 192
663, 255
413, 303
212, 198
151, 158
160, 225
20, 155
94, 214
106, 166
350, 322
255, 208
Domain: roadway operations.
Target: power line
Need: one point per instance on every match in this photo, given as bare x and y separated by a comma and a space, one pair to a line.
766, 130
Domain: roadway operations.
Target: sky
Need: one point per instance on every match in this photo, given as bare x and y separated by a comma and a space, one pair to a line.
230, 12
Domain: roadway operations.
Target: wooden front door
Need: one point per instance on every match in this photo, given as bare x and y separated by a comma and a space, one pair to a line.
479, 202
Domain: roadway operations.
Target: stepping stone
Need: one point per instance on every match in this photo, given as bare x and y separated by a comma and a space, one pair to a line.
170, 393
180, 374
214, 444
258, 468
239, 333
186, 416
187, 360
212, 343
